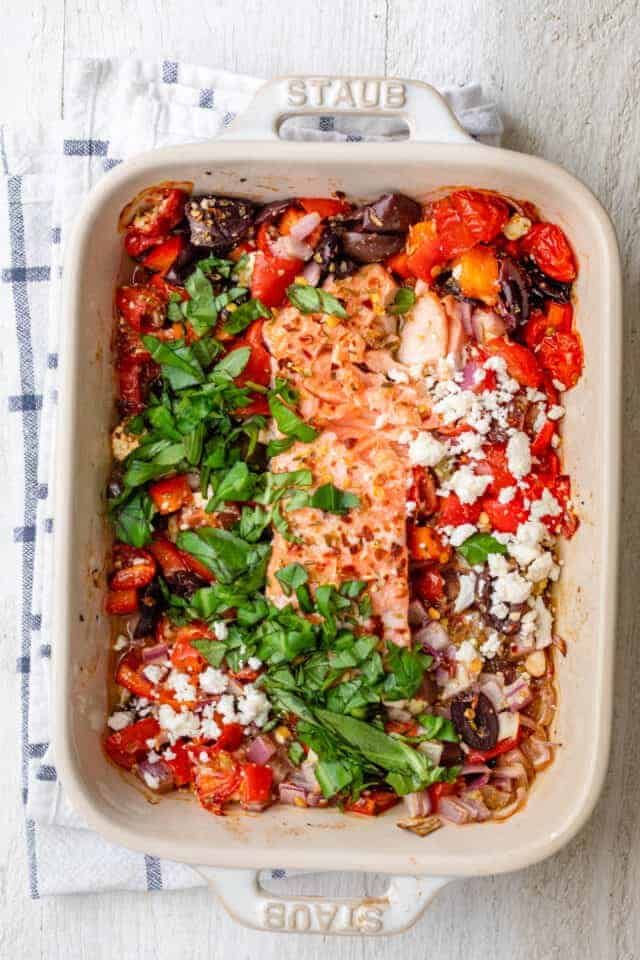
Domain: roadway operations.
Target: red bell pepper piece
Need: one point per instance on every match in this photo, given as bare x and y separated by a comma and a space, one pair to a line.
506, 517
141, 307
162, 257
543, 438
424, 250
325, 206
562, 356
373, 802
129, 676
438, 790
452, 512
184, 656
521, 362
548, 246
217, 780
181, 765
125, 746
399, 264
133, 568
231, 736
256, 784
172, 494
481, 756
172, 560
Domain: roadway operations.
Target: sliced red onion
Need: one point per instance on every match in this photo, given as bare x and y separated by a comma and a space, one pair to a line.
508, 725
434, 636
292, 793
442, 677
418, 804
486, 325
518, 695
511, 808
471, 768
312, 272
157, 652
304, 226
480, 781
538, 752
469, 372
305, 776
451, 809
476, 807
255, 807
291, 249
494, 690
261, 750
157, 775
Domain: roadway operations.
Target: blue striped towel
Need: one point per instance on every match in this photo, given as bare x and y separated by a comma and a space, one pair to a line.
113, 109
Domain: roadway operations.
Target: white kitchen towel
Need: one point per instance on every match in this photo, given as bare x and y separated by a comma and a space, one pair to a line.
113, 110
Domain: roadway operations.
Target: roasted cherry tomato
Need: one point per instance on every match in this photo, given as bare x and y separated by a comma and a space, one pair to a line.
506, 517
288, 221
121, 602
172, 494
428, 584
496, 466
521, 363
125, 746
217, 780
407, 728
133, 568
399, 264
325, 206
162, 257
468, 217
258, 368
231, 736
422, 492
476, 273
142, 307
245, 674
172, 560
542, 440
373, 802
562, 355
184, 656
424, 251
452, 512
557, 317
425, 544
547, 245
159, 210
256, 784
272, 274
129, 675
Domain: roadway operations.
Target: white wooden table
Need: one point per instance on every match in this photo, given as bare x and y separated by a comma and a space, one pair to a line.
567, 77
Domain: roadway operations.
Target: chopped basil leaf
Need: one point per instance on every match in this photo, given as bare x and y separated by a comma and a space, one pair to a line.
405, 672
404, 300
212, 650
133, 522
291, 577
438, 728
274, 447
296, 753
314, 300
332, 500
289, 422
225, 554
253, 522
478, 546
232, 365
179, 364
235, 486
193, 444
244, 315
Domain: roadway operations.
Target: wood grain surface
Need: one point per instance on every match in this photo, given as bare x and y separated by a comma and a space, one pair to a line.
567, 78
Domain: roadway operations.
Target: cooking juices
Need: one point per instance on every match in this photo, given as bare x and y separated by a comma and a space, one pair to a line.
336, 496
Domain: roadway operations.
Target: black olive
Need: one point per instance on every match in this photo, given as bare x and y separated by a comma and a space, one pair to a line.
271, 211
183, 265
514, 292
544, 287
184, 583
390, 213
114, 487
150, 603
475, 720
371, 247
218, 222
330, 257
451, 755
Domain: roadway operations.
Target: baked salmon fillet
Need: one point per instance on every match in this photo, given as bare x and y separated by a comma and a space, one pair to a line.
367, 543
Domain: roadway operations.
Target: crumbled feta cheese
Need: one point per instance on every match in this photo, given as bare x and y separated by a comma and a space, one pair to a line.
535, 396
184, 724
467, 485
226, 708
380, 421
454, 406
544, 623
507, 494
541, 568
519, 454
254, 663
253, 707
559, 385
120, 719
491, 646
120, 642
539, 422
426, 451
152, 756
479, 376
469, 442
555, 412
169, 754
546, 506
213, 681
203, 756
459, 534
466, 593
468, 655
152, 782
497, 364
500, 611
182, 686
221, 630
123, 443
209, 729
516, 226
510, 588
411, 507
154, 672
498, 565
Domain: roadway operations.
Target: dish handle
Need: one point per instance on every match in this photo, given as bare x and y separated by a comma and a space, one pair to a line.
425, 111
246, 901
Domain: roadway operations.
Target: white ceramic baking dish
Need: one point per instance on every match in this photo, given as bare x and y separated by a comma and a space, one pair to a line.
256, 163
